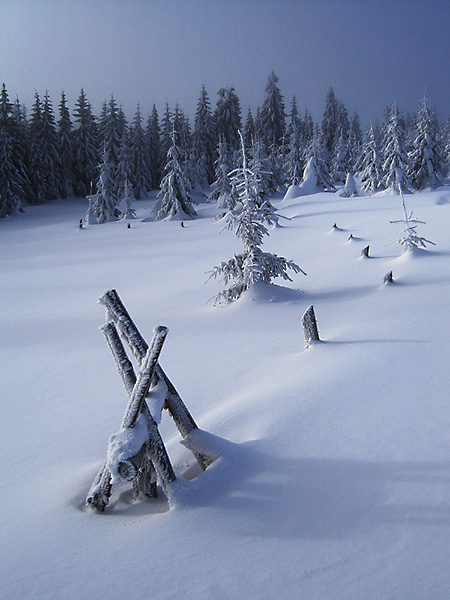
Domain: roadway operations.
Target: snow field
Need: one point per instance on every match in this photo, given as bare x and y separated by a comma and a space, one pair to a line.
333, 480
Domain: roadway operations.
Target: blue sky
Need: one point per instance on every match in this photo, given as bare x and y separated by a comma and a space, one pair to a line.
372, 53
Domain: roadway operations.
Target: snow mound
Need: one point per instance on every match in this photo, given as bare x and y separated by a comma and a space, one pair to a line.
293, 191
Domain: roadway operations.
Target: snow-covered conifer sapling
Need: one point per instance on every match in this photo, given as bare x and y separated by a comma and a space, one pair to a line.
410, 240
252, 265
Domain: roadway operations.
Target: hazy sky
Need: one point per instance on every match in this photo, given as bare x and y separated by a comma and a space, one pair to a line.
372, 52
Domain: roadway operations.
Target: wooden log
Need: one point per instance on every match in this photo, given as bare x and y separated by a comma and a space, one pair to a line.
100, 492
173, 402
146, 481
144, 379
310, 328
365, 252
123, 364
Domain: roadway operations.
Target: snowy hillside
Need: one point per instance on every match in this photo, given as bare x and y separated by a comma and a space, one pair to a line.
334, 476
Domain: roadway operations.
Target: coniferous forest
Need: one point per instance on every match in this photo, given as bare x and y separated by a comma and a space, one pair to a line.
48, 153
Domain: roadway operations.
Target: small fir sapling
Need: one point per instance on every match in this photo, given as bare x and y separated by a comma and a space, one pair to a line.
410, 240
252, 265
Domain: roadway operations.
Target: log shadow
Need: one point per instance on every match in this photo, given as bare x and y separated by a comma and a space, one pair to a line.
319, 498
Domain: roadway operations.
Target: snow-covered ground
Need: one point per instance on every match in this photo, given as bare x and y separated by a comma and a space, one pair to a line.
334, 476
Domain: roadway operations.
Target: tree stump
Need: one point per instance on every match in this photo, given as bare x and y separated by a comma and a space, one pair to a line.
365, 252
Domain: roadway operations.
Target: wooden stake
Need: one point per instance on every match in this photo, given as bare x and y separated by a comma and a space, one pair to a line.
310, 326
388, 278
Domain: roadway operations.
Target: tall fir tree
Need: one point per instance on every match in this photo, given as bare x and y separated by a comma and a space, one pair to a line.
103, 202
175, 195
249, 129
227, 117
50, 150
354, 144
111, 126
166, 136
330, 121
425, 160
204, 141
85, 146
370, 164
294, 164
141, 181
318, 151
153, 138
395, 158
273, 117
65, 150
339, 163
12, 190
38, 176
221, 187
123, 170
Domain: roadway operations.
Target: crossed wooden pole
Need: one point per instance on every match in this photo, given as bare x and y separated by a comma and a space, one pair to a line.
151, 462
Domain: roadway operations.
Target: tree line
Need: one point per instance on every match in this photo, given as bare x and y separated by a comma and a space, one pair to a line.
44, 156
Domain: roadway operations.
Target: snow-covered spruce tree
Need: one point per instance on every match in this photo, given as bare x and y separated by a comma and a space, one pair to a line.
227, 117
204, 141
262, 176
37, 172
65, 149
307, 128
371, 173
85, 146
253, 265
153, 139
175, 188
249, 129
122, 172
318, 151
425, 160
354, 144
295, 121
49, 148
111, 125
395, 158
221, 186
294, 163
339, 163
410, 240
139, 174
11, 191
12, 183
127, 198
19, 135
275, 166
104, 205
444, 143
165, 137
330, 121
273, 117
